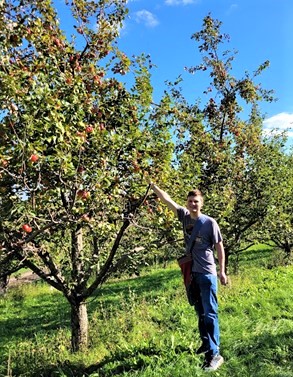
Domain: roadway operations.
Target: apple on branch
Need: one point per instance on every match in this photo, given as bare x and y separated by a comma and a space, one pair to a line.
27, 228
34, 157
89, 129
83, 194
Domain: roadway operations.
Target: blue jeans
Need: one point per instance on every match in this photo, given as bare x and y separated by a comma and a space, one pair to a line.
206, 306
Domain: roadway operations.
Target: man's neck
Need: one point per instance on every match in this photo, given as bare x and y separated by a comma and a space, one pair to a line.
195, 215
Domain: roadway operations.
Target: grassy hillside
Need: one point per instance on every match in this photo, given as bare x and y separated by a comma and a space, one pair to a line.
145, 327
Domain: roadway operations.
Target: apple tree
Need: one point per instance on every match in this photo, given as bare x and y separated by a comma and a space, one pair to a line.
76, 147
277, 227
220, 141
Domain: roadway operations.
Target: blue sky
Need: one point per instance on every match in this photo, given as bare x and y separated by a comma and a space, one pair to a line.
259, 29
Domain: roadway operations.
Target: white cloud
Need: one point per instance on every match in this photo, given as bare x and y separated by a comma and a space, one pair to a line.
233, 7
180, 2
280, 122
146, 17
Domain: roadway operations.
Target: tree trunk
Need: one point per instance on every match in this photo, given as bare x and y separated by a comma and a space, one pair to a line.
288, 251
3, 284
79, 326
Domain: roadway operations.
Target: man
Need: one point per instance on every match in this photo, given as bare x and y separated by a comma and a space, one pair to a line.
207, 236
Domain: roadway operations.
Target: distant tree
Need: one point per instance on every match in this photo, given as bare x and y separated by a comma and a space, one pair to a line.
277, 227
76, 147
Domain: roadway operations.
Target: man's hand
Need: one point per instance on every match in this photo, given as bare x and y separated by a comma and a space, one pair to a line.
223, 278
152, 184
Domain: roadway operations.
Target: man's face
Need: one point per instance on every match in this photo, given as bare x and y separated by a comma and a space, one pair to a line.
194, 204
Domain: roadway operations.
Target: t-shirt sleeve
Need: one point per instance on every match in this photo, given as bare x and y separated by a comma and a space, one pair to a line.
181, 212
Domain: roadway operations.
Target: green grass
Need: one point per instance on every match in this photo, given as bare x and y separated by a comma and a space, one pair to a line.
145, 327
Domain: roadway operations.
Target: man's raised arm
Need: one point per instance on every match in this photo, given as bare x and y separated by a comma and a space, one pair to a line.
165, 198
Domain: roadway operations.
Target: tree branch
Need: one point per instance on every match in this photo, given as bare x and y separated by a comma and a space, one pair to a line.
102, 276
107, 268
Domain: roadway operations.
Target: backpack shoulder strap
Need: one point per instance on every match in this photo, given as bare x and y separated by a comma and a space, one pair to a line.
199, 222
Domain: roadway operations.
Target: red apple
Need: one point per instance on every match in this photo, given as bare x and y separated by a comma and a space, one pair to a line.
27, 228
89, 129
84, 195
57, 42
34, 158
97, 79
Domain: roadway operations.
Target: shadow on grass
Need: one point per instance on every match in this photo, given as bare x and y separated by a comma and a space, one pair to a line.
120, 362
259, 257
261, 354
143, 286
46, 312
265, 343
267, 355
257, 254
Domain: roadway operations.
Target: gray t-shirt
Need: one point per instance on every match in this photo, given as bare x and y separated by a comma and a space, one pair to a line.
207, 236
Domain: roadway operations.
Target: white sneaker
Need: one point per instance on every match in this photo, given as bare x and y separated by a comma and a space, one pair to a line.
214, 363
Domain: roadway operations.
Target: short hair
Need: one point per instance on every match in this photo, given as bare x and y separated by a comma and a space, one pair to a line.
195, 192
